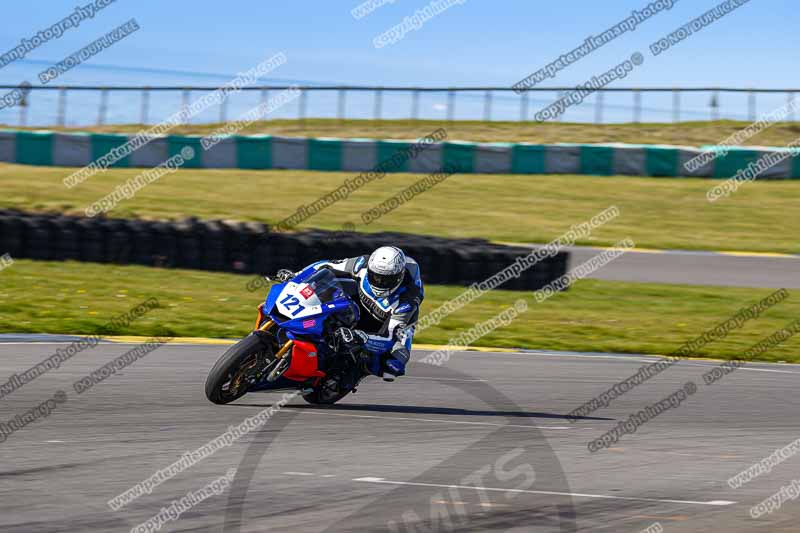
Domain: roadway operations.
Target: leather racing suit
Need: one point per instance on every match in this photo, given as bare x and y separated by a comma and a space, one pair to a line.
388, 321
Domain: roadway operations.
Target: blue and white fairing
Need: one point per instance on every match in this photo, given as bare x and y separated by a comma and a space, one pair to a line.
301, 305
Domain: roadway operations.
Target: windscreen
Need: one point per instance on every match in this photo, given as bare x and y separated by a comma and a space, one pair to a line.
325, 285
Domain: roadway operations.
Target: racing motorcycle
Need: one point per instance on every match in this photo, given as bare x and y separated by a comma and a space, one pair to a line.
293, 345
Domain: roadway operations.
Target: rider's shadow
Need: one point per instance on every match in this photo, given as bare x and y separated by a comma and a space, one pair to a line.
426, 410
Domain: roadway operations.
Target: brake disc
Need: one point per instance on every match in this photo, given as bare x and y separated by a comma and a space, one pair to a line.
280, 368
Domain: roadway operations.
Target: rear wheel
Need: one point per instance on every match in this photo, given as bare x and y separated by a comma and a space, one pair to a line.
230, 376
328, 392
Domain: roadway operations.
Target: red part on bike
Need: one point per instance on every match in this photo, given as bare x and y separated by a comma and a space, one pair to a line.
304, 362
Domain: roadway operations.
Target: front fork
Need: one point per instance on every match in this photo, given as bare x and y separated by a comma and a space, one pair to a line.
264, 326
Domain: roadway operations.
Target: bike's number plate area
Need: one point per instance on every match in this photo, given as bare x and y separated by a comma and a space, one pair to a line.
298, 300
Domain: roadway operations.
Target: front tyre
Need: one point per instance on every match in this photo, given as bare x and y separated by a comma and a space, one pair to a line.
227, 380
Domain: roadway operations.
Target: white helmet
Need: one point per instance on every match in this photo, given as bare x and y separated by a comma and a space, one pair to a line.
385, 270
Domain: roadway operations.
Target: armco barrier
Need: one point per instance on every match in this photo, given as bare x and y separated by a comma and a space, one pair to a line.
356, 155
249, 247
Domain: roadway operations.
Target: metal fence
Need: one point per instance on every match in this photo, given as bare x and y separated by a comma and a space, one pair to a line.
92, 103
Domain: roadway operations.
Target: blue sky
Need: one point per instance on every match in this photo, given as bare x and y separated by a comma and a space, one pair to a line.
479, 42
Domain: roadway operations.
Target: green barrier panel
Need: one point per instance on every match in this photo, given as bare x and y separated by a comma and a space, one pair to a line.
597, 160
460, 155
324, 154
254, 151
387, 149
103, 143
662, 161
176, 143
796, 166
726, 166
35, 148
527, 159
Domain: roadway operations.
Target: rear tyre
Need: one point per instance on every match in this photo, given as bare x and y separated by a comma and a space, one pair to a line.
326, 393
224, 383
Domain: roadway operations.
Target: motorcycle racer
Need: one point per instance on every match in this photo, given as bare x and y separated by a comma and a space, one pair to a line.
390, 292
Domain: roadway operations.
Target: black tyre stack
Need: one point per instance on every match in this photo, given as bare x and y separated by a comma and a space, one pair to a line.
250, 247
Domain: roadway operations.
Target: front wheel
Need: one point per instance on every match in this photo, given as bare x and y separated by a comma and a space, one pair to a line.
229, 378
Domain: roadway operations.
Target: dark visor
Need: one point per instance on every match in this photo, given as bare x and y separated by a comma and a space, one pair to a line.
384, 281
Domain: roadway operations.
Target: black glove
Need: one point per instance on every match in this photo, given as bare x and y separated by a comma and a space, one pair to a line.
284, 275
351, 337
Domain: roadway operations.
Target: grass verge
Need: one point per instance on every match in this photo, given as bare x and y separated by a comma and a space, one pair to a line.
68, 297
655, 213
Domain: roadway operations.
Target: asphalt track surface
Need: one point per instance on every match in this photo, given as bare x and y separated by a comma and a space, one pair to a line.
695, 267
445, 442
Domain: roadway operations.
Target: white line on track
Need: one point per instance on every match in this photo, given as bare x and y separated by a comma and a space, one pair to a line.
687, 362
632, 357
437, 420
624, 357
307, 474
50, 343
748, 368
768, 370
546, 492
444, 379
